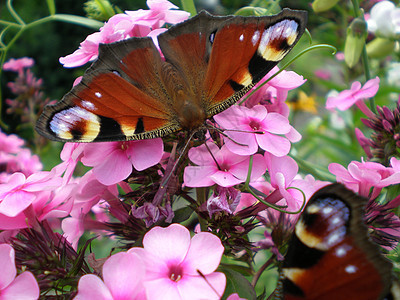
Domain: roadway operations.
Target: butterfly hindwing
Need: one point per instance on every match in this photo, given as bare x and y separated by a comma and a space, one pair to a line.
330, 255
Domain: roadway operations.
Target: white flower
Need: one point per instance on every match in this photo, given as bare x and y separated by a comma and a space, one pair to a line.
393, 74
384, 20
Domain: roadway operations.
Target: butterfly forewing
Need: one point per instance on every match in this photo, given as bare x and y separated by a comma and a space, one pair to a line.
131, 92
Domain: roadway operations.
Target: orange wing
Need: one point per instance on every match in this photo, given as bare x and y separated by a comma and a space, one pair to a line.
223, 57
122, 96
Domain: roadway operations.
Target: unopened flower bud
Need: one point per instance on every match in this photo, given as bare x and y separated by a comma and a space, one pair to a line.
379, 48
355, 41
100, 10
323, 5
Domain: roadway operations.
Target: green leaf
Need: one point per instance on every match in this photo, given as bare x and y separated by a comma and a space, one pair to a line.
182, 214
237, 283
78, 20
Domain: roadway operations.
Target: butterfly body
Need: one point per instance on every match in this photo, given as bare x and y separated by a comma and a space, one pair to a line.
206, 64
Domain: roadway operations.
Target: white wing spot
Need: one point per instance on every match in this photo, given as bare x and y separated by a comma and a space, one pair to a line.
88, 105
255, 37
241, 37
98, 94
327, 210
351, 269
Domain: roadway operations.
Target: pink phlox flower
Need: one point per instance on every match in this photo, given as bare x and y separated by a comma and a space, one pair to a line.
228, 169
70, 155
284, 178
160, 13
174, 262
122, 279
19, 64
274, 93
23, 286
282, 171
89, 193
250, 128
223, 200
365, 178
19, 192
23, 162
10, 143
122, 26
357, 93
113, 162
56, 205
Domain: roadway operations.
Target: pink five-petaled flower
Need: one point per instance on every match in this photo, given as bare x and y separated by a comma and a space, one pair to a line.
24, 286
248, 128
179, 267
345, 99
19, 192
112, 162
122, 279
361, 177
274, 93
221, 167
138, 23
17, 65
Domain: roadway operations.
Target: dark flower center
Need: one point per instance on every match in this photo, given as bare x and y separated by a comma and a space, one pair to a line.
175, 273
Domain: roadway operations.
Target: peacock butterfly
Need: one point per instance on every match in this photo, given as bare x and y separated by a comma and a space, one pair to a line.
131, 92
330, 256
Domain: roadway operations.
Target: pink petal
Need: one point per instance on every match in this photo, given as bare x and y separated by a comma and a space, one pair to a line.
114, 169
11, 223
201, 155
276, 123
285, 165
225, 179
123, 273
199, 176
14, 181
274, 144
76, 59
13, 204
146, 153
24, 287
259, 167
204, 254
241, 143
95, 153
287, 80
199, 288
369, 89
7, 265
92, 287
168, 244
293, 135
174, 17
163, 288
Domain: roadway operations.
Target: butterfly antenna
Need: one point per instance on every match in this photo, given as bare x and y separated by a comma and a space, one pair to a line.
221, 131
209, 284
212, 155
183, 152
